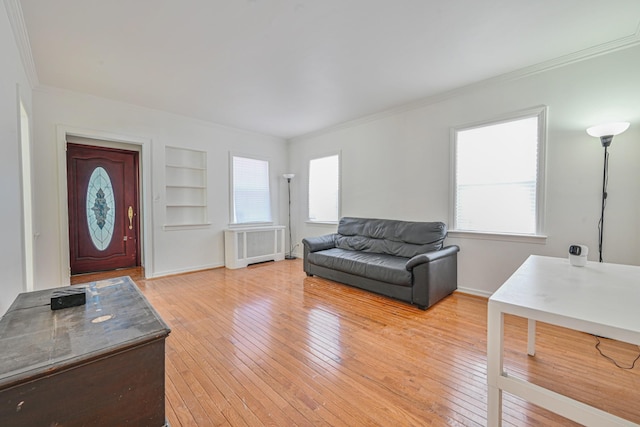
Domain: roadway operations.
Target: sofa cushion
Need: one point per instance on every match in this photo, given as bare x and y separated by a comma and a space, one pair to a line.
384, 236
382, 267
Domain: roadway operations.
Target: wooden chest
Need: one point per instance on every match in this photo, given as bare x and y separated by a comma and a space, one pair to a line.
99, 364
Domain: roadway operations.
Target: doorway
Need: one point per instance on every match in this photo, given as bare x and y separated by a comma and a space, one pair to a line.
103, 205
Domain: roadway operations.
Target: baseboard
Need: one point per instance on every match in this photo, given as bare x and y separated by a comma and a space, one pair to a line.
185, 270
476, 292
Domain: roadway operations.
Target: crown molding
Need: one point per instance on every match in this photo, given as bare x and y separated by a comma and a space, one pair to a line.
562, 61
14, 13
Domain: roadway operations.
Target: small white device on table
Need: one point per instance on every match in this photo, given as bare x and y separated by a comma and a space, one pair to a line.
599, 298
578, 255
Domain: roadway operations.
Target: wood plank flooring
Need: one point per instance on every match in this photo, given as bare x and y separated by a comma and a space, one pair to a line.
267, 346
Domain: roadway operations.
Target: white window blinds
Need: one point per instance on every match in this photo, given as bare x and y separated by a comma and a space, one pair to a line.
251, 196
324, 189
496, 177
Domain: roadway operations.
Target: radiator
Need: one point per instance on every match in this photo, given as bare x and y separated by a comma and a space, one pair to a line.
244, 246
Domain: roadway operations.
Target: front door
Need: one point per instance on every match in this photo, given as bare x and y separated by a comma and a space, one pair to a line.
102, 186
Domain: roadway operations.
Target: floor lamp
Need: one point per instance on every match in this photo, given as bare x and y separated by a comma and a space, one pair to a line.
605, 132
289, 177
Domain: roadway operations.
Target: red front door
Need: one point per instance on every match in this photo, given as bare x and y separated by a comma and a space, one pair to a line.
102, 188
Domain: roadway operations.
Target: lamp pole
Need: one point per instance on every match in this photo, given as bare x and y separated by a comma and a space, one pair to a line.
288, 177
604, 198
605, 132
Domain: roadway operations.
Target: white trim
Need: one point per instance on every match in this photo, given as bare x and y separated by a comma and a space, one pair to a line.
325, 223
540, 239
504, 118
475, 292
146, 203
252, 225
562, 61
16, 18
541, 178
27, 224
452, 175
183, 270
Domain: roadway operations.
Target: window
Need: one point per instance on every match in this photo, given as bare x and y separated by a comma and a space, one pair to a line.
250, 192
324, 189
498, 175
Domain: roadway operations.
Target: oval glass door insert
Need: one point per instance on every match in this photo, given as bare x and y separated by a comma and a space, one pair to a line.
101, 207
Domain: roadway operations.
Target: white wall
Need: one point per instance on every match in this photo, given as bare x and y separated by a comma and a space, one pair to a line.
398, 165
13, 83
170, 251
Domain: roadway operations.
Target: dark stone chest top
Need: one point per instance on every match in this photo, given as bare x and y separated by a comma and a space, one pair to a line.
36, 341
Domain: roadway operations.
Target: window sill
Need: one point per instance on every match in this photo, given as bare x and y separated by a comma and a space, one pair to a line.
538, 239
322, 223
250, 224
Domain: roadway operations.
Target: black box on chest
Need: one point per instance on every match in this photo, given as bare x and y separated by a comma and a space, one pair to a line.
68, 298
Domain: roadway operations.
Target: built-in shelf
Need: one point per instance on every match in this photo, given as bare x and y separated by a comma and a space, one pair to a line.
185, 187
198, 168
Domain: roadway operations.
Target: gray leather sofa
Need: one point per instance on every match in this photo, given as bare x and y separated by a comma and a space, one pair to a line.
400, 259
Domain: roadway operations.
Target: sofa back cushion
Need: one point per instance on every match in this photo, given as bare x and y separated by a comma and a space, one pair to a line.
386, 236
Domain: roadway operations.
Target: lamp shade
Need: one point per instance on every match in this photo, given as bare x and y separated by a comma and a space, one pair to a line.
288, 175
608, 129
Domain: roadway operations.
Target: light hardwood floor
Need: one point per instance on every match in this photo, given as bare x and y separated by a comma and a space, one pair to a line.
267, 346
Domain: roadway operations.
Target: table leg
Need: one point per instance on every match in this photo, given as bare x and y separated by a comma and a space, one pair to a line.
495, 350
531, 342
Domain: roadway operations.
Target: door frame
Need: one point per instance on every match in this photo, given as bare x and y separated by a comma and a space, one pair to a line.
109, 140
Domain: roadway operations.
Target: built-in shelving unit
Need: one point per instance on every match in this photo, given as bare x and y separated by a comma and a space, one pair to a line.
185, 187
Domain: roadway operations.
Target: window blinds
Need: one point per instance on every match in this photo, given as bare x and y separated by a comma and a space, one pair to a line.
251, 196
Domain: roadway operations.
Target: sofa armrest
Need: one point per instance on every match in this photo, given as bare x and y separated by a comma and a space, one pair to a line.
435, 275
432, 256
319, 243
315, 244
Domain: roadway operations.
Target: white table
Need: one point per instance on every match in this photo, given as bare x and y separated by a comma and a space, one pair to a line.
601, 299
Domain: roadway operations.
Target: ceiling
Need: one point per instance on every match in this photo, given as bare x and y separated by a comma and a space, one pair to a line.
290, 67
